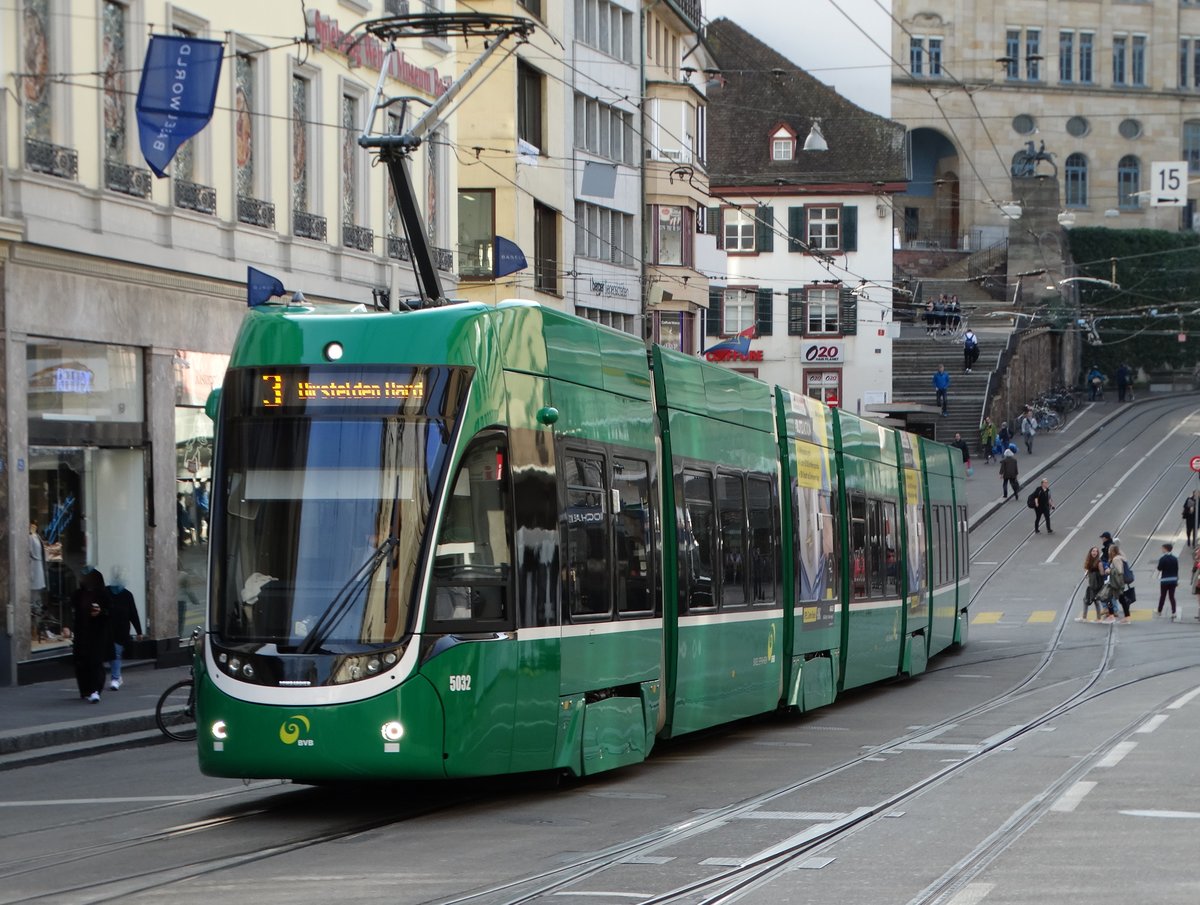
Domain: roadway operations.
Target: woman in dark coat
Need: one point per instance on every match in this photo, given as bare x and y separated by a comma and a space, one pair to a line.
93, 636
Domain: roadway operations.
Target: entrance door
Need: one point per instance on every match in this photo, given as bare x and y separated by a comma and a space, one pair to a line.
116, 527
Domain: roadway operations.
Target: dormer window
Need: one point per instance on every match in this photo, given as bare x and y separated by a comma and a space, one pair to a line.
783, 143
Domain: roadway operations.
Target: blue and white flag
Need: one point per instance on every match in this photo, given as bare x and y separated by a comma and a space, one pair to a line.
177, 94
509, 258
260, 287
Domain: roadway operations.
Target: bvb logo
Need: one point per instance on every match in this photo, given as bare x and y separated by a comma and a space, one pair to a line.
291, 729
771, 645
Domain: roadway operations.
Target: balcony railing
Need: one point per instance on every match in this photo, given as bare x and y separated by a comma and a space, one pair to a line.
361, 238
121, 177
690, 9
398, 247
195, 197
443, 258
53, 160
308, 226
255, 212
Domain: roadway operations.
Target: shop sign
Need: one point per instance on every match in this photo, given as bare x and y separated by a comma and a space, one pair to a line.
369, 51
609, 289
824, 379
824, 353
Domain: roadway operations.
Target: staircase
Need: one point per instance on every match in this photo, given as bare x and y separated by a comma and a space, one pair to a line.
915, 357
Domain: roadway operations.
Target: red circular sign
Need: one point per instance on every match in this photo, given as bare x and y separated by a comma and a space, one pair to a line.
1195, 463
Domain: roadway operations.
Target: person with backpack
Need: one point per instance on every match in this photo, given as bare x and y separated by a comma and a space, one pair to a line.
970, 350
1008, 474
1189, 518
1095, 382
1042, 505
1116, 587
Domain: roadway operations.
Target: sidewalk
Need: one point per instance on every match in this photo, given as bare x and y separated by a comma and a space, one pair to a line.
47, 720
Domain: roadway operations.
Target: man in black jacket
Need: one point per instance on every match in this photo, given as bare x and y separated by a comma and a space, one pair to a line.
1042, 507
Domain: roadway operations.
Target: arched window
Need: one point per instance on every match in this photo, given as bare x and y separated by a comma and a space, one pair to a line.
1191, 144
1076, 178
1129, 181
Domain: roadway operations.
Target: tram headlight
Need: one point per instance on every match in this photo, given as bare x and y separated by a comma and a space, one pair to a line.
390, 658
373, 665
333, 351
219, 731
234, 665
248, 671
392, 731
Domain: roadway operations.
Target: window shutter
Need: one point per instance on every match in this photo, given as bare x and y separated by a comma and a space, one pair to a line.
714, 225
849, 228
764, 233
712, 319
848, 313
764, 311
796, 229
796, 312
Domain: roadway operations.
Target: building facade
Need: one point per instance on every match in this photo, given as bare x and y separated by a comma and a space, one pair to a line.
802, 182
1108, 88
121, 294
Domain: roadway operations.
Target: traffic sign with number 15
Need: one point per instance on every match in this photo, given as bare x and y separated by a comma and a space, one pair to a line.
1168, 183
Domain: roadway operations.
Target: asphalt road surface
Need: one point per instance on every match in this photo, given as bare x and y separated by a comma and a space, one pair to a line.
1048, 760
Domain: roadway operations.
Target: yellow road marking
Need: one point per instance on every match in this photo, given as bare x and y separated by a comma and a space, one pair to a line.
1043, 616
986, 618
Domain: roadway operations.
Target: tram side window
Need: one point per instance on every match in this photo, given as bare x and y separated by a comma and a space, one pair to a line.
697, 541
946, 543
762, 540
731, 500
891, 575
858, 546
876, 552
939, 554
634, 530
472, 560
586, 525
964, 546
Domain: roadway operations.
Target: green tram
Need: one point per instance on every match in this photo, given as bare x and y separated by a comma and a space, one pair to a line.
472, 540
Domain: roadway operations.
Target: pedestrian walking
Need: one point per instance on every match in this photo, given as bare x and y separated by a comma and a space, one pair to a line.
970, 350
1116, 588
92, 637
1189, 517
1028, 427
930, 320
987, 440
1196, 578
1168, 578
1008, 474
1106, 540
1043, 505
124, 623
961, 445
941, 383
1093, 581
1095, 381
1004, 435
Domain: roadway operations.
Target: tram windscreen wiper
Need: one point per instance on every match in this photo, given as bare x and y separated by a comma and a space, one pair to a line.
345, 597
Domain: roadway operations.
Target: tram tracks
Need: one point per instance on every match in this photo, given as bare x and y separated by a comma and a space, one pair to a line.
719, 887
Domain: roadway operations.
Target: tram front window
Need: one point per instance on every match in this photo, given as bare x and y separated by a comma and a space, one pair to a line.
324, 520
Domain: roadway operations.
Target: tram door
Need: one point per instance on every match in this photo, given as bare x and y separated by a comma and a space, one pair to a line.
471, 609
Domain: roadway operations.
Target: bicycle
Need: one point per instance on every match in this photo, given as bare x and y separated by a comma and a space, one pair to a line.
175, 712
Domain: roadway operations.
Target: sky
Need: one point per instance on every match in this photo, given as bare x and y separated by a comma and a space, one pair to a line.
818, 36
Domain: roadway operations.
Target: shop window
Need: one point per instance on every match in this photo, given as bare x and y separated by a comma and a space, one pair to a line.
84, 381
476, 233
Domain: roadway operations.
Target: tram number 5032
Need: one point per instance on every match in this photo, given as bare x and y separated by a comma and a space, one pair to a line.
460, 683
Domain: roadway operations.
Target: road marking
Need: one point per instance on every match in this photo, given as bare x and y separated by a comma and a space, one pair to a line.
1117, 754
1070, 799
720, 862
1153, 723
1043, 615
986, 618
648, 859
999, 736
619, 895
1087, 517
814, 864
969, 675
1169, 815
972, 894
1179, 702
